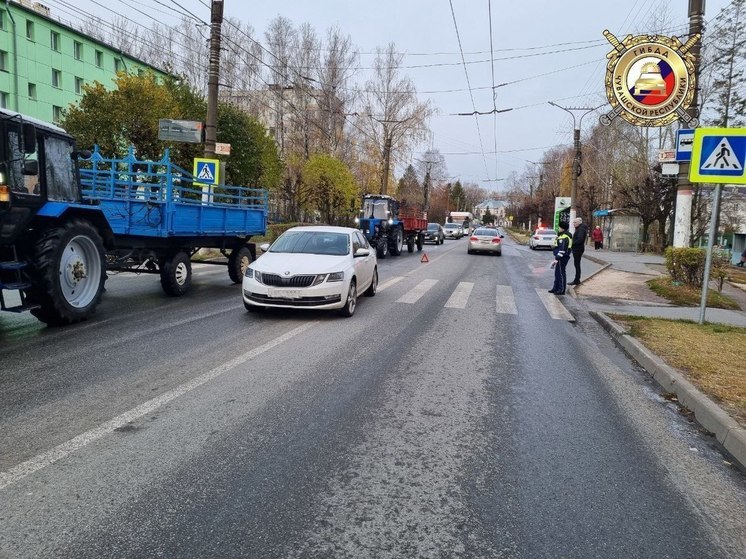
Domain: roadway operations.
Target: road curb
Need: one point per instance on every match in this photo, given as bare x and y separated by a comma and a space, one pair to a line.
711, 416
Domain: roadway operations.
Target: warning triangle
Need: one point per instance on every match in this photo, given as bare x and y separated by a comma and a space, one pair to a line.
424, 257
205, 174
722, 157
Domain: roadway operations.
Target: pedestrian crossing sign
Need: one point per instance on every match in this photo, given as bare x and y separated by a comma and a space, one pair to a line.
719, 156
206, 171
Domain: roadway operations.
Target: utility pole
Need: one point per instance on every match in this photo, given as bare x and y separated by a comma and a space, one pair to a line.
683, 214
213, 75
386, 163
576, 168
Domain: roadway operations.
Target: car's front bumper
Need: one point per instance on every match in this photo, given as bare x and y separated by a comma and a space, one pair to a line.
323, 296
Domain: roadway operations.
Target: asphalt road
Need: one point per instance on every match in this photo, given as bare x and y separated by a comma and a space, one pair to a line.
462, 412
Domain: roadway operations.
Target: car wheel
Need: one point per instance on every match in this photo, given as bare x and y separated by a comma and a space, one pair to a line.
373, 287
469, 252
349, 308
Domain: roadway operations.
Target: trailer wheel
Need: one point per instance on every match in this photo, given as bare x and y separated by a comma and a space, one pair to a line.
420, 241
398, 242
410, 244
70, 272
382, 248
176, 273
238, 261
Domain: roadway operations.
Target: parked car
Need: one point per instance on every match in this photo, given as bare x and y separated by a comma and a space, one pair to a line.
542, 238
312, 267
485, 239
453, 230
435, 233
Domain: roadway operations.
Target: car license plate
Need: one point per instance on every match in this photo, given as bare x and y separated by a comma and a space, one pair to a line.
285, 293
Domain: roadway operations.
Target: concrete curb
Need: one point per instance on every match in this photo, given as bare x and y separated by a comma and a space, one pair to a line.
711, 416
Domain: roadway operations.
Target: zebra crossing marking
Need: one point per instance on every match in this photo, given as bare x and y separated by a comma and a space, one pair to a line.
505, 300
419, 290
389, 283
555, 309
460, 296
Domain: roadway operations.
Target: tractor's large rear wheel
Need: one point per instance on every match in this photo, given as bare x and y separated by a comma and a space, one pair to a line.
69, 273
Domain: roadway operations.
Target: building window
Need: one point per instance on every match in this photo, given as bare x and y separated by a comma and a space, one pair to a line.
32, 91
54, 41
117, 65
99, 59
2, 19
56, 114
78, 85
3, 100
78, 50
30, 30
3, 61
56, 78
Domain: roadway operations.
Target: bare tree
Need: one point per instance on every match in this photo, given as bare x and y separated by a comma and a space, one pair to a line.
393, 118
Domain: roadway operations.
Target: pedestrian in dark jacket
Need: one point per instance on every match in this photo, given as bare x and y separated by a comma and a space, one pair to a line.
578, 246
597, 237
562, 249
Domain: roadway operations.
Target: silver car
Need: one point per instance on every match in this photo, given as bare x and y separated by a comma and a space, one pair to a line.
453, 230
485, 239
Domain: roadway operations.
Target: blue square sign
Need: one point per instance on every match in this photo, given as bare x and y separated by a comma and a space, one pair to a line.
684, 143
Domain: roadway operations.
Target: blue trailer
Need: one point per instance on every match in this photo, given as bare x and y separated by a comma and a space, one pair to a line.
68, 216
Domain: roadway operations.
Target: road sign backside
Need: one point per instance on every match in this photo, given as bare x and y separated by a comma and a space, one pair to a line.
719, 156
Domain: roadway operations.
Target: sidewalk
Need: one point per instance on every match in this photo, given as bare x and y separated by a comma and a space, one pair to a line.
614, 282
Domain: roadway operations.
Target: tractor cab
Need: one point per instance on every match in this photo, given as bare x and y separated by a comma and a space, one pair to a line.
379, 207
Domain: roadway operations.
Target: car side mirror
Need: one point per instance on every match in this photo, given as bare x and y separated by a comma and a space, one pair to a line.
30, 167
264, 247
29, 137
361, 252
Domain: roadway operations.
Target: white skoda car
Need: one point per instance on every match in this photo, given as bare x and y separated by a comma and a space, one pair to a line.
312, 267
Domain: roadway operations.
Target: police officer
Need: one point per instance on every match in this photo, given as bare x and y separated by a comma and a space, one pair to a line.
562, 250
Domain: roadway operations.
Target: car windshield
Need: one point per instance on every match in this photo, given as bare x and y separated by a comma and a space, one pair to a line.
486, 232
375, 208
432, 226
312, 242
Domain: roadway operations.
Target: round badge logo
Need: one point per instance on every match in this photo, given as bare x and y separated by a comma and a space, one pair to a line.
650, 80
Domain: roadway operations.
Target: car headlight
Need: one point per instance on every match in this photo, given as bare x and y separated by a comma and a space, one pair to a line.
252, 273
336, 276
391, 221
319, 279
357, 220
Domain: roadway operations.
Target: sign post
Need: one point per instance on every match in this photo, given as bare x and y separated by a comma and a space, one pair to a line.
207, 175
718, 156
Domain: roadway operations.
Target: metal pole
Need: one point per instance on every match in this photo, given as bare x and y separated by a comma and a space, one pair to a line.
576, 169
708, 258
683, 212
386, 164
211, 123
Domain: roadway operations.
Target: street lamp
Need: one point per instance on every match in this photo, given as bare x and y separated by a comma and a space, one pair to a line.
576, 170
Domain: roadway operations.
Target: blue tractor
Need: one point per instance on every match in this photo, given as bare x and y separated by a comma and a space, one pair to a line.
388, 227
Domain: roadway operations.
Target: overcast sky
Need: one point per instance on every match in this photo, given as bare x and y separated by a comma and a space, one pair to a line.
553, 49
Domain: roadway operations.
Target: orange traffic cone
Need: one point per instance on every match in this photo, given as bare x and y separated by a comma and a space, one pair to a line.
424, 257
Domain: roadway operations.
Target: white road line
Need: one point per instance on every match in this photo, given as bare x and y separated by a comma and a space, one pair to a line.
555, 309
59, 452
460, 296
505, 300
419, 290
389, 283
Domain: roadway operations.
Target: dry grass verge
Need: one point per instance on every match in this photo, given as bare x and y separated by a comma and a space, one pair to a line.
711, 356
687, 296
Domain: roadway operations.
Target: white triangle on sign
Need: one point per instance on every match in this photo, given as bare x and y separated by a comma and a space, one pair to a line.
205, 174
722, 157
